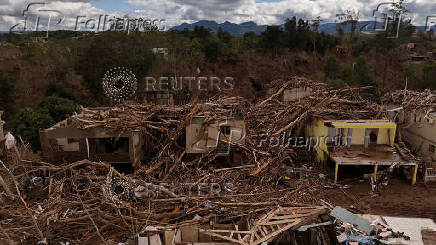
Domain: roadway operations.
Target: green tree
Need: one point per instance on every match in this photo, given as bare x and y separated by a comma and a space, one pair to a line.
58, 108
212, 48
7, 88
332, 68
291, 33
429, 76
28, 121
250, 40
362, 72
272, 39
348, 75
224, 36
59, 90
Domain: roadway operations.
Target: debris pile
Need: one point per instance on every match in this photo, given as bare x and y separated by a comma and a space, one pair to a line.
86, 201
355, 229
412, 100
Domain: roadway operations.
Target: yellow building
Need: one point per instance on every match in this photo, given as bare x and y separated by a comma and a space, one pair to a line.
356, 142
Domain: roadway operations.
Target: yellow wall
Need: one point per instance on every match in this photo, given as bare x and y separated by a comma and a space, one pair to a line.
317, 128
358, 137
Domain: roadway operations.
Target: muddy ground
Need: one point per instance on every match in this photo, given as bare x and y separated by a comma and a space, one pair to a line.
398, 198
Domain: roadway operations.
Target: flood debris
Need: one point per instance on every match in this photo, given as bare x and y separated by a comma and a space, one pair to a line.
273, 192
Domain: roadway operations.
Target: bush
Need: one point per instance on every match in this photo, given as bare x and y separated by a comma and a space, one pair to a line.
28, 121
332, 68
6, 88
58, 108
59, 90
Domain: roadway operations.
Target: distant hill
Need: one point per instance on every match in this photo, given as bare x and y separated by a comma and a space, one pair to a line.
240, 29
232, 28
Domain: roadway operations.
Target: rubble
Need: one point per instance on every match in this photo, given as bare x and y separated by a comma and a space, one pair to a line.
84, 201
412, 100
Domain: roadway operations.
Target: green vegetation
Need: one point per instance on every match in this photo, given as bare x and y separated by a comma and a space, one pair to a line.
69, 67
420, 77
6, 88
28, 121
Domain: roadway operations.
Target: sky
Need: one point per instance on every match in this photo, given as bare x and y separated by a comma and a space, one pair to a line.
176, 12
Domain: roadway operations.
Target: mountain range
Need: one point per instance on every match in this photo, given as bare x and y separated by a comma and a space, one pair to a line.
240, 29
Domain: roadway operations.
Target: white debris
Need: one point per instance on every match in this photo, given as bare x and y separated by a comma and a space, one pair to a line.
10, 141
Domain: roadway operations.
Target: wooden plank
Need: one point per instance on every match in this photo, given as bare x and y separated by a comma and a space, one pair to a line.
229, 231
280, 222
293, 216
226, 238
265, 229
256, 235
189, 233
262, 231
271, 235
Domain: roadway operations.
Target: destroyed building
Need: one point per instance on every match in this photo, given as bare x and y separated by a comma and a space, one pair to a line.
295, 89
121, 138
263, 203
416, 115
163, 52
203, 136
159, 97
357, 143
420, 133
66, 142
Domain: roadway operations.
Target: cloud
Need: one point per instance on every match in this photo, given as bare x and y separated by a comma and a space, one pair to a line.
11, 11
237, 11
272, 12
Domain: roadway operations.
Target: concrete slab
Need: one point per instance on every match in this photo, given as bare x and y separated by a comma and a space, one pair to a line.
411, 227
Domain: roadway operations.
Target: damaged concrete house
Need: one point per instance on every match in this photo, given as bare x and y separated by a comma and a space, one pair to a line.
294, 90
69, 140
419, 130
159, 97
357, 143
203, 136
415, 113
65, 142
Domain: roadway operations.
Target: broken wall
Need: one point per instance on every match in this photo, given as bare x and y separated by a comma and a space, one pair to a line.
421, 135
70, 144
202, 137
296, 93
